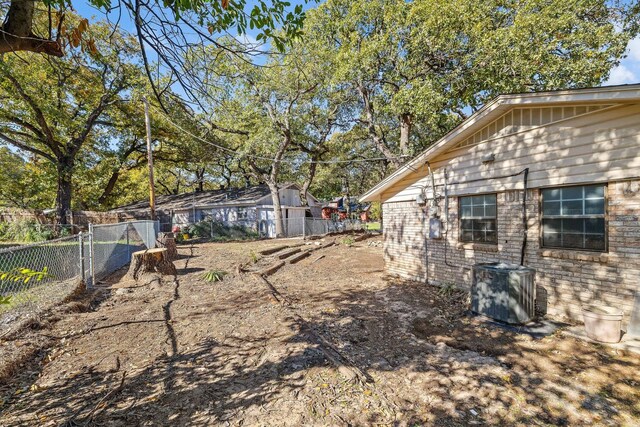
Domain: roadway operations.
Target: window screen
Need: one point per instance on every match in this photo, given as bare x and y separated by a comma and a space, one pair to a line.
478, 219
574, 217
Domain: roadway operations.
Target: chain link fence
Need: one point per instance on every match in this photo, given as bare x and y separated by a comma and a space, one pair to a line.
111, 245
32, 277
266, 228
37, 276
306, 227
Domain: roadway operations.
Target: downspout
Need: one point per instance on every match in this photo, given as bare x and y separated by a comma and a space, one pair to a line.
524, 217
427, 216
446, 227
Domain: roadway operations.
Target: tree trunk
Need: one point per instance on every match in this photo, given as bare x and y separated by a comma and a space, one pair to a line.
64, 192
405, 132
200, 177
168, 241
378, 141
110, 186
151, 261
307, 182
277, 209
17, 32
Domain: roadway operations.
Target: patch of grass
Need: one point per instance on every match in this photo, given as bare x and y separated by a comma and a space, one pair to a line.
254, 256
214, 276
348, 241
373, 226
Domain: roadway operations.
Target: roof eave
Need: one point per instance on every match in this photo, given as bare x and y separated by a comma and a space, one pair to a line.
626, 93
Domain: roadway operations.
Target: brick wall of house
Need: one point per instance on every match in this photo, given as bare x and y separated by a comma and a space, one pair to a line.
566, 279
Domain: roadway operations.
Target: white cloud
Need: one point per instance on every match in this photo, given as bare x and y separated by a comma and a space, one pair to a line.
629, 69
634, 49
248, 40
621, 75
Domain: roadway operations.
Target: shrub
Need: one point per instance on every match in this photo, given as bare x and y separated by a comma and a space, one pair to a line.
348, 241
27, 230
214, 276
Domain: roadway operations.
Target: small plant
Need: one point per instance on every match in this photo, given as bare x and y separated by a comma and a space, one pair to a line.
24, 275
447, 289
253, 256
348, 241
214, 276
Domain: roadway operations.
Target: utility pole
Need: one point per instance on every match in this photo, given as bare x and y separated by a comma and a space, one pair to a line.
152, 190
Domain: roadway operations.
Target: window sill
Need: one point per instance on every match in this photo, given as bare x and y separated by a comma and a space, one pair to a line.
575, 255
483, 247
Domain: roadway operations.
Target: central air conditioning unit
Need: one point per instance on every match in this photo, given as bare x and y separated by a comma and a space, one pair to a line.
504, 292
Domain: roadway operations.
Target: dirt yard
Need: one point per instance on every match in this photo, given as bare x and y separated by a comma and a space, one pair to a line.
325, 341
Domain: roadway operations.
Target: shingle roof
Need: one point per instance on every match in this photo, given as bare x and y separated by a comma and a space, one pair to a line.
247, 195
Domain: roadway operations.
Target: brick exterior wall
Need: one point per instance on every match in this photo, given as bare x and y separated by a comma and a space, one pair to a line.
566, 279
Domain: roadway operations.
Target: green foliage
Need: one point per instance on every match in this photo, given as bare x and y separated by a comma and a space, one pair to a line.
222, 16
27, 182
24, 275
348, 241
447, 289
375, 211
253, 256
214, 276
26, 231
60, 131
430, 62
341, 91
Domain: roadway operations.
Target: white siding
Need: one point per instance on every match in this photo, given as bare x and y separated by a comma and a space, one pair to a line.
232, 214
288, 196
597, 147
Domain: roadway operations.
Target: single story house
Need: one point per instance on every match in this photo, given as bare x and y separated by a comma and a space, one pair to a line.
249, 206
574, 154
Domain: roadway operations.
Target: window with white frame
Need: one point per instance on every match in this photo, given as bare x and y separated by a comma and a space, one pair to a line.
242, 214
478, 219
574, 217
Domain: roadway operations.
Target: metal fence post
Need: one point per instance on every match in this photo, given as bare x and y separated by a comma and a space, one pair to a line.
81, 244
91, 259
304, 227
128, 243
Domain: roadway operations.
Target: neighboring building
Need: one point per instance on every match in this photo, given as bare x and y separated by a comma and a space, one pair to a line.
582, 152
336, 209
250, 206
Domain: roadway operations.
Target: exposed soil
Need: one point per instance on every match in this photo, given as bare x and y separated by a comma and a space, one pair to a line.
325, 341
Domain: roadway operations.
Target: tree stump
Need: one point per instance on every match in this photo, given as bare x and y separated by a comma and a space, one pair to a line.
168, 241
151, 261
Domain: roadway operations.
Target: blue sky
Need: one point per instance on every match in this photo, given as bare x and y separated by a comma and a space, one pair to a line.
629, 69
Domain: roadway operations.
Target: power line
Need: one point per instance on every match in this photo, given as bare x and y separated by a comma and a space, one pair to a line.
253, 156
